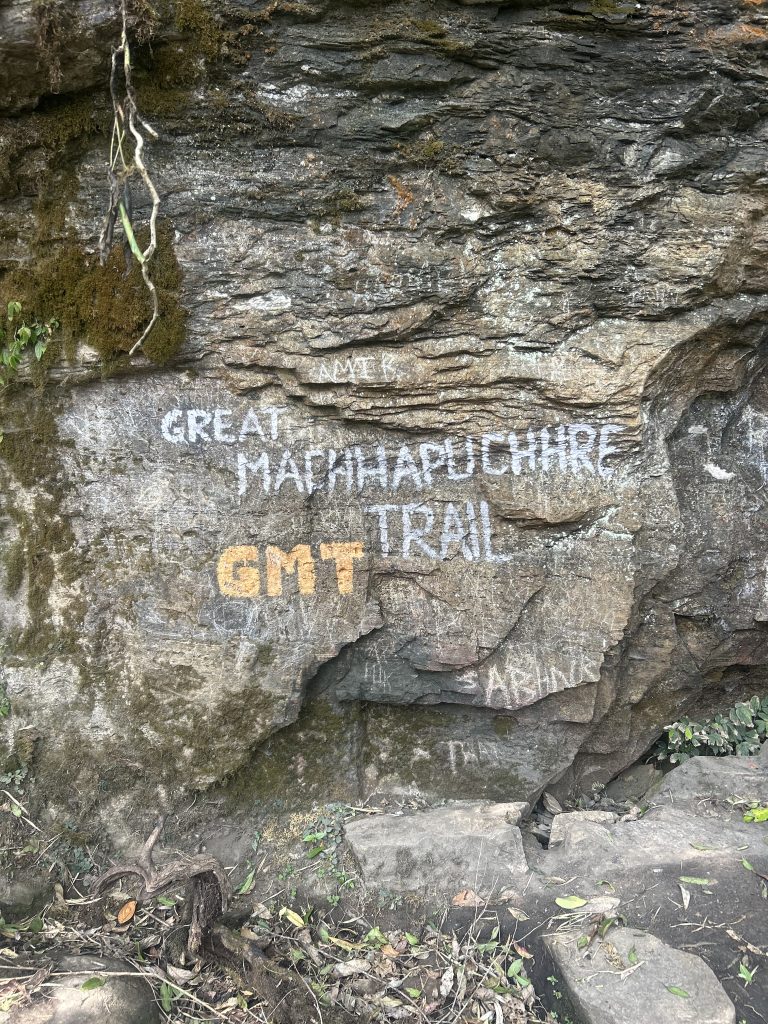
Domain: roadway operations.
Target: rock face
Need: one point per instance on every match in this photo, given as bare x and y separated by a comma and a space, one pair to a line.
455, 485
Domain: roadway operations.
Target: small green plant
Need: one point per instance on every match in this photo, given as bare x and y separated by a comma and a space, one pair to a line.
746, 975
17, 336
324, 844
739, 731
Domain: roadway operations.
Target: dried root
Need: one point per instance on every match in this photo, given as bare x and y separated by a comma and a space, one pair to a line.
207, 886
126, 159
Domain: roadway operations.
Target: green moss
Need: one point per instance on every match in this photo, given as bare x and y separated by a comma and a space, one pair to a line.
309, 760
195, 18
56, 126
431, 152
103, 306
46, 542
15, 565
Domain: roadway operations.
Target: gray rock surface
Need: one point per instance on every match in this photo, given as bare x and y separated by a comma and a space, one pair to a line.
477, 292
443, 850
22, 897
629, 977
123, 1000
715, 785
635, 783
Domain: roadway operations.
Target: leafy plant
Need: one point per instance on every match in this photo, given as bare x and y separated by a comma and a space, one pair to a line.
741, 730
746, 975
18, 335
324, 844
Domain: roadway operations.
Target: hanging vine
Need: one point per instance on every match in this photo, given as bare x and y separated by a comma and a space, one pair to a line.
126, 161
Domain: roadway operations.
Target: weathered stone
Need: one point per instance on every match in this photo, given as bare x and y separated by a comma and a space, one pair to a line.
635, 783
476, 303
714, 785
462, 845
122, 999
22, 897
567, 827
631, 977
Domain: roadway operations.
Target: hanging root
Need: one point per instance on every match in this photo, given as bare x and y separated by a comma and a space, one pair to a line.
127, 128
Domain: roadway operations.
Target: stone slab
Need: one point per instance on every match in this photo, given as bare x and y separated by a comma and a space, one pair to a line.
465, 845
629, 978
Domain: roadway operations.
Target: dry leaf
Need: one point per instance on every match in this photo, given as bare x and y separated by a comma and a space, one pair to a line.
126, 912
389, 951
466, 898
685, 893
446, 982
350, 967
552, 805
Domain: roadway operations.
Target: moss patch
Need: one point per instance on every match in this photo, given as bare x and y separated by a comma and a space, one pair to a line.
311, 760
30, 456
103, 306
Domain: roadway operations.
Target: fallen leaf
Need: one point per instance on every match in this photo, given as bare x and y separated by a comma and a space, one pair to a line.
179, 974
292, 916
466, 898
248, 884
343, 944
677, 991
692, 880
685, 893
92, 983
349, 967
126, 912
519, 915
570, 902
446, 982
552, 804
390, 951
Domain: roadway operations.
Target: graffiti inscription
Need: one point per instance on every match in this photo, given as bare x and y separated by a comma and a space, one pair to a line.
265, 465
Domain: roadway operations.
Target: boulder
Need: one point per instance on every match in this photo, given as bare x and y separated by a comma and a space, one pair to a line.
714, 785
443, 850
23, 896
631, 977
122, 999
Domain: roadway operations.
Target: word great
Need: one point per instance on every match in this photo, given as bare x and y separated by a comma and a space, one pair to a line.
239, 568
